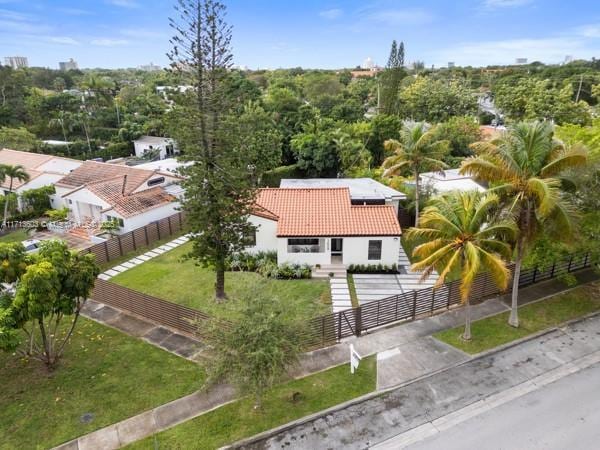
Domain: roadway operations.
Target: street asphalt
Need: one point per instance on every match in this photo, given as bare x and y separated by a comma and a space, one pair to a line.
561, 415
381, 419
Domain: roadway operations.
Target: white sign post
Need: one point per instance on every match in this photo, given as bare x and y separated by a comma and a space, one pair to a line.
354, 359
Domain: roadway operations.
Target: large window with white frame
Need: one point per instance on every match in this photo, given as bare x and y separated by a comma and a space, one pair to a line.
304, 245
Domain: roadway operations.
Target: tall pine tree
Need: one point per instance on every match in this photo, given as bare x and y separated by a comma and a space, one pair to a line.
219, 188
390, 78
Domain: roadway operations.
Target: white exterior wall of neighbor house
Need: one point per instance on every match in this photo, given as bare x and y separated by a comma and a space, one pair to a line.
356, 250
143, 219
266, 235
84, 204
145, 144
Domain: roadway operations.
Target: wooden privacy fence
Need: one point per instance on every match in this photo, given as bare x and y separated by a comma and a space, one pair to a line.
152, 308
140, 237
331, 328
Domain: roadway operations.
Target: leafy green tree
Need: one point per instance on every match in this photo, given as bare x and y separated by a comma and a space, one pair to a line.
463, 235
53, 287
13, 86
255, 352
13, 173
418, 150
219, 183
431, 100
110, 226
460, 132
18, 139
526, 166
383, 127
316, 153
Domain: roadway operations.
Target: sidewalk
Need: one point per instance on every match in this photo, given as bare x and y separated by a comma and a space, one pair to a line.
385, 420
404, 352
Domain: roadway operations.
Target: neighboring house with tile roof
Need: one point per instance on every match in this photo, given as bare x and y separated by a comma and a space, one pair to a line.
97, 192
43, 170
322, 226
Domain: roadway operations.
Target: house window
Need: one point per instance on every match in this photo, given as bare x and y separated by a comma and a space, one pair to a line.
116, 219
374, 250
156, 181
310, 245
250, 238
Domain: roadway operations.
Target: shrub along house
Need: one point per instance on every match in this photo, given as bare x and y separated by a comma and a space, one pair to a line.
321, 227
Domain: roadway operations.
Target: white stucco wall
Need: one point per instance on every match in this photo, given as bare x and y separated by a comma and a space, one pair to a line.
141, 147
356, 250
302, 258
266, 234
152, 215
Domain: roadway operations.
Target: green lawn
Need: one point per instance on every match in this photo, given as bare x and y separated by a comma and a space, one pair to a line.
239, 420
15, 236
494, 331
183, 282
104, 372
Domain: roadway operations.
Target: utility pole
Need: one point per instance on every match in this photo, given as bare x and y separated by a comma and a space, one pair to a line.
579, 90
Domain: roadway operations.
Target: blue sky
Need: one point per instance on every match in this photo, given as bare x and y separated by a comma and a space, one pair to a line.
307, 33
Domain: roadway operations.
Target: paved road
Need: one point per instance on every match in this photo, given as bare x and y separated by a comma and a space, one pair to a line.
561, 415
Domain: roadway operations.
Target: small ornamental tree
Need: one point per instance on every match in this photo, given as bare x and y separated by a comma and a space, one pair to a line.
256, 350
50, 293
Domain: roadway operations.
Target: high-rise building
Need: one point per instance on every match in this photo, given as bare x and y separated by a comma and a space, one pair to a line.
16, 62
150, 68
71, 64
368, 64
520, 61
451, 65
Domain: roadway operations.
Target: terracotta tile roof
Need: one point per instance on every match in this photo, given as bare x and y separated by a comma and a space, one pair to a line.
129, 204
92, 171
324, 212
26, 159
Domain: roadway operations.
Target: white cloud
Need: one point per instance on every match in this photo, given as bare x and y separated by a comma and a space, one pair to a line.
125, 3
506, 3
590, 31
144, 33
395, 17
331, 13
107, 42
64, 40
548, 50
75, 11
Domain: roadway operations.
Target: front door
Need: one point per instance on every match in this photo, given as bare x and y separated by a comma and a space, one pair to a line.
337, 250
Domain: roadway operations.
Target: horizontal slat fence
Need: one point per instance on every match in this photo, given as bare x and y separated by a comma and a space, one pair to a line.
329, 329
155, 309
122, 244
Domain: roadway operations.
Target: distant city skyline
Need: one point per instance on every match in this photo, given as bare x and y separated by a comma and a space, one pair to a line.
311, 34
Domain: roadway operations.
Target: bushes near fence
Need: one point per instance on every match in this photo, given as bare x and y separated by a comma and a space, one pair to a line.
265, 263
372, 268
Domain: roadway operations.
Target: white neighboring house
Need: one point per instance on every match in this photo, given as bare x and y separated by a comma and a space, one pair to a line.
363, 191
97, 192
449, 180
43, 170
166, 147
322, 227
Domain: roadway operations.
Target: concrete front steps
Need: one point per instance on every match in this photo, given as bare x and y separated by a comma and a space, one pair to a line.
403, 260
323, 272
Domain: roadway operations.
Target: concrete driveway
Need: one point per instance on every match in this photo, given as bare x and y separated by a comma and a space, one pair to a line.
370, 287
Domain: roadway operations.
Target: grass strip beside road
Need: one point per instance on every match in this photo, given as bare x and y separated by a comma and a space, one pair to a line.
282, 404
494, 331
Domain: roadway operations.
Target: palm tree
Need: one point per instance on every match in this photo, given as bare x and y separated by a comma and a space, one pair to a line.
463, 234
417, 151
526, 165
14, 173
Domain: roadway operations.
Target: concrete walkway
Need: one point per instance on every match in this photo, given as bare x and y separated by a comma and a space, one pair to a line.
394, 346
136, 261
340, 294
